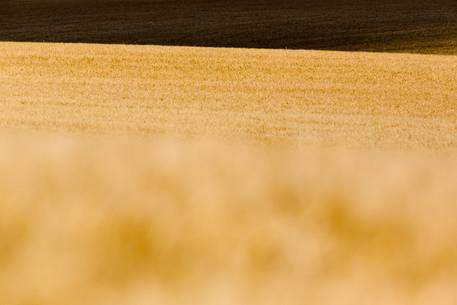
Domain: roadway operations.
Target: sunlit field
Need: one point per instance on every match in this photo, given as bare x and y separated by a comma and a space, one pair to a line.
100, 221
264, 96
139, 175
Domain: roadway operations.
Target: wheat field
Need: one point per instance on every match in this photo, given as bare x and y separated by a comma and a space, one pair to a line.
275, 96
166, 221
176, 175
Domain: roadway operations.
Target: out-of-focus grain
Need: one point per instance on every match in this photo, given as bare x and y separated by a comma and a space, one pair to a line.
97, 221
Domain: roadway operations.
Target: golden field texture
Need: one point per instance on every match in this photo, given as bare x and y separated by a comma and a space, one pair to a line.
137, 175
299, 97
98, 221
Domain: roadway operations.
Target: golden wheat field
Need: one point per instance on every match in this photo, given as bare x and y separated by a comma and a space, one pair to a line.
175, 175
275, 96
97, 221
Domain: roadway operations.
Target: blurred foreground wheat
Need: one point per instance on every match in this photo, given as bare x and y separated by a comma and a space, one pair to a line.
98, 221
91, 217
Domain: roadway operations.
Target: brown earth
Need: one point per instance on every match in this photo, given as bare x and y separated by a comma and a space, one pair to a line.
400, 26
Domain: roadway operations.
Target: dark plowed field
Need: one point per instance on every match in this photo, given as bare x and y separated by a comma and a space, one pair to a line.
403, 26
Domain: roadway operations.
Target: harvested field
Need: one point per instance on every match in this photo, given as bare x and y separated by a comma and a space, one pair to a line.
139, 175
297, 97
387, 25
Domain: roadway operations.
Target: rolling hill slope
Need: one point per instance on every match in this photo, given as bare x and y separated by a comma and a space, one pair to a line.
182, 211
388, 25
134, 174
299, 97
